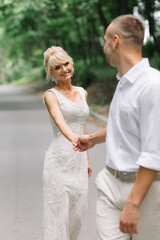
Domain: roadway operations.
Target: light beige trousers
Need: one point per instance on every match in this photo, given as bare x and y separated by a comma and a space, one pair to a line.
112, 196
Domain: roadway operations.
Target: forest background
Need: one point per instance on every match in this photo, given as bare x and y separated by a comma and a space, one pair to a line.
29, 27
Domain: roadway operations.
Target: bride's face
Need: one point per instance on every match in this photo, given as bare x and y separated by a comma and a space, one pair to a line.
63, 71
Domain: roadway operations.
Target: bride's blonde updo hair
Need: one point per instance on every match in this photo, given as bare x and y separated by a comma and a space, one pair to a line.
53, 57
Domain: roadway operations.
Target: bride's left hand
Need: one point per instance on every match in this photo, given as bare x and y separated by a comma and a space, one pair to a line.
89, 169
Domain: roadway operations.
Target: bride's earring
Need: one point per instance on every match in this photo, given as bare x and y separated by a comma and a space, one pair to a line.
54, 80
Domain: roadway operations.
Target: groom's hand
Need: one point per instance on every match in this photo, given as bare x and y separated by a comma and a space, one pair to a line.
83, 143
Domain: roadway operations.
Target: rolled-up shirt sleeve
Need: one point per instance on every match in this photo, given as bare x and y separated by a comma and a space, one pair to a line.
150, 128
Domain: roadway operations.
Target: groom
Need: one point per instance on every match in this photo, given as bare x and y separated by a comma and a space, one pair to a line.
128, 204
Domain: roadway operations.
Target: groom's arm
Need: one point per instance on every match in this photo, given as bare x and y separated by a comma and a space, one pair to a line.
86, 142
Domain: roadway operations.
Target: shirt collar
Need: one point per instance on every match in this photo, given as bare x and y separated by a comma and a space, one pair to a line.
134, 72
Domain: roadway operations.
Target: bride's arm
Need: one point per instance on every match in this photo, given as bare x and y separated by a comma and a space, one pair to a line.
52, 105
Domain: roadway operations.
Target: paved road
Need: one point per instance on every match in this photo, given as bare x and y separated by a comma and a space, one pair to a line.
25, 134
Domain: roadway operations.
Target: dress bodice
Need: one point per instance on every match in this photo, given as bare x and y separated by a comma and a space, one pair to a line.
74, 114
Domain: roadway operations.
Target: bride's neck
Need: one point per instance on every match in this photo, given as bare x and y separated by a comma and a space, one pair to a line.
64, 86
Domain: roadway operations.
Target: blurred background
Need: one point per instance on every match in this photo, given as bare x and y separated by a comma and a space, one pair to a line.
28, 28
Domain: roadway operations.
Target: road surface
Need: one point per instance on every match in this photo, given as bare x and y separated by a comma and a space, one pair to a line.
25, 134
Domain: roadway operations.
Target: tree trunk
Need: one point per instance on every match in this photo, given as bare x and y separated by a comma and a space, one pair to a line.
149, 6
101, 15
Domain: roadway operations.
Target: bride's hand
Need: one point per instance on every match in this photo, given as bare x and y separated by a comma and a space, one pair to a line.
78, 145
83, 143
89, 169
74, 141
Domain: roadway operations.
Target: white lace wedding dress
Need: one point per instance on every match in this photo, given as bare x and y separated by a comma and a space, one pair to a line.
65, 175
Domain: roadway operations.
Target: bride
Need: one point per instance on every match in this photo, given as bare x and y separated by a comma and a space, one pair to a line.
65, 172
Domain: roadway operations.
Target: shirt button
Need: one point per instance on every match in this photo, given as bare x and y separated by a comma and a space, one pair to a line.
121, 146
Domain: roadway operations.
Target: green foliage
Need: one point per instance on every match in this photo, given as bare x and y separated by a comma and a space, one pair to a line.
28, 28
33, 75
104, 72
23, 73
148, 49
84, 74
155, 61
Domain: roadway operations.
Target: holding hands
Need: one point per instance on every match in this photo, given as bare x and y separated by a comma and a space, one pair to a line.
83, 143
86, 142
